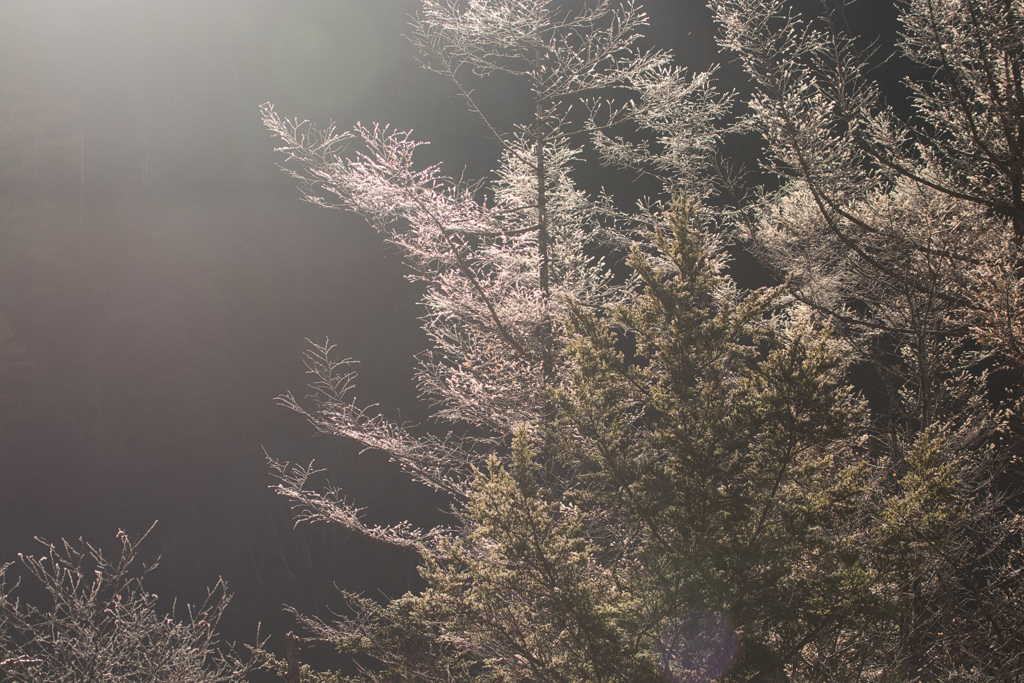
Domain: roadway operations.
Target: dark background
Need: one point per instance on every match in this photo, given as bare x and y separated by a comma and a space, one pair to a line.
161, 275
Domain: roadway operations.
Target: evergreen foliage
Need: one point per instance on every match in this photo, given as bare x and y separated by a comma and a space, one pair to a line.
717, 486
663, 477
500, 263
730, 453
906, 234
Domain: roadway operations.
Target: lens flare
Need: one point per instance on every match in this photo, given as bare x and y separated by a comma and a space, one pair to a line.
326, 54
697, 648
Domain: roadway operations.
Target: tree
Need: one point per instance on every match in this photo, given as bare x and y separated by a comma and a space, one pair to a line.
101, 624
732, 455
500, 263
906, 234
917, 220
709, 527
692, 491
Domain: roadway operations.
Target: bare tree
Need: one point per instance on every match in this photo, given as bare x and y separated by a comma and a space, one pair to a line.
99, 623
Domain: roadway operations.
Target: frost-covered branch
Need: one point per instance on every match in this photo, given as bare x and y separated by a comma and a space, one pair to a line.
330, 506
902, 213
100, 623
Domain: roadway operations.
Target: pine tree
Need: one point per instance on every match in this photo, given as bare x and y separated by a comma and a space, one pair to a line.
731, 453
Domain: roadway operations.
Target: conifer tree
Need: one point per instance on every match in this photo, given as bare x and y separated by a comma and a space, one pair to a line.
692, 491
731, 453
699, 520
906, 235
500, 262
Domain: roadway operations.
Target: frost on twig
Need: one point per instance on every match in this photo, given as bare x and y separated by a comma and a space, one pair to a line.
100, 623
504, 261
331, 506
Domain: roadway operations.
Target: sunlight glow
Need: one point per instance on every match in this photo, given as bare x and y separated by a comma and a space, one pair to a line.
326, 54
